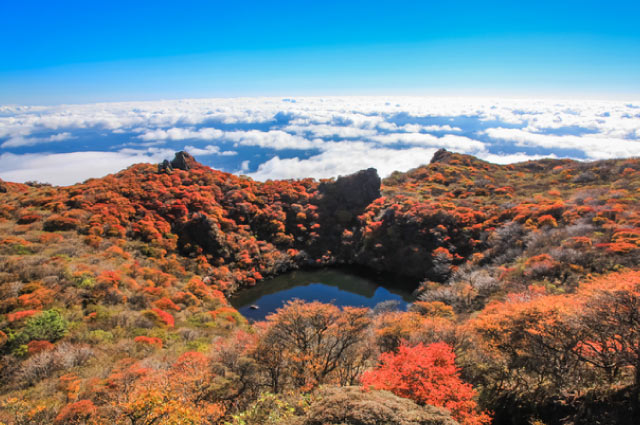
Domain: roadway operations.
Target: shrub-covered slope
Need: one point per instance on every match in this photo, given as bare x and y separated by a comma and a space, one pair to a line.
113, 292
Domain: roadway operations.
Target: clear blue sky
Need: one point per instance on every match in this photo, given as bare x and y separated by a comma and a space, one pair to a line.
84, 51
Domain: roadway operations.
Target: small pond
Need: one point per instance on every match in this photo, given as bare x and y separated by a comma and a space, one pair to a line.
342, 287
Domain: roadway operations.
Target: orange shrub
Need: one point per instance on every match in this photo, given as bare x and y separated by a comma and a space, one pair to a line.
76, 413
150, 341
166, 304
164, 317
427, 375
38, 346
19, 315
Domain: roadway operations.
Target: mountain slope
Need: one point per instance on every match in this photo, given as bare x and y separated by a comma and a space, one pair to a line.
130, 272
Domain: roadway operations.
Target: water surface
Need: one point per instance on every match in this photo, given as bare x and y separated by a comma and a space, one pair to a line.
341, 287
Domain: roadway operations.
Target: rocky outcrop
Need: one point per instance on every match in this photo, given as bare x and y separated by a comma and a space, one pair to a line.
201, 232
339, 204
181, 161
441, 156
352, 192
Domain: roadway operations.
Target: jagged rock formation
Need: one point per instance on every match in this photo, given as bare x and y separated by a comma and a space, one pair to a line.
352, 192
181, 161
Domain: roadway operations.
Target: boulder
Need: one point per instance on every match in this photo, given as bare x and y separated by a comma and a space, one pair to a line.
183, 161
202, 232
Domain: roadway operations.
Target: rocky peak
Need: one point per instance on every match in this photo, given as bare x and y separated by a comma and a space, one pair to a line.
441, 156
181, 161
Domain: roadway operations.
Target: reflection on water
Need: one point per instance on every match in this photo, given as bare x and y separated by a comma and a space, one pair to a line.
338, 286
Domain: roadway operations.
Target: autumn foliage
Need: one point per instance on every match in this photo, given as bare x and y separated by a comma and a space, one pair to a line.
113, 294
427, 375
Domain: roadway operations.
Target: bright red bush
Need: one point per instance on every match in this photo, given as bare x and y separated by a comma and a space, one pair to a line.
427, 375
149, 340
165, 317
19, 315
76, 413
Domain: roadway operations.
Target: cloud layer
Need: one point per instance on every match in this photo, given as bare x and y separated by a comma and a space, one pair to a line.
306, 137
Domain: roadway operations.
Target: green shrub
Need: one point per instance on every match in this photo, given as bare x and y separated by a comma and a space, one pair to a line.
99, 336
48, 325
21, 351
85, 281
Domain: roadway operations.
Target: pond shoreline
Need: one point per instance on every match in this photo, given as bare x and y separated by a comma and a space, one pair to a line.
340, 285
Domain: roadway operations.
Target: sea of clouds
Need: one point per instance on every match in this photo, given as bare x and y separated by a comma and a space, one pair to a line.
273, 138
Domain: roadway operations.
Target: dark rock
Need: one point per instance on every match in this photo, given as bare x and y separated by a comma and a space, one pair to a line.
183, 161
352, 192
202, 232
165, 167
441, 156
339, 204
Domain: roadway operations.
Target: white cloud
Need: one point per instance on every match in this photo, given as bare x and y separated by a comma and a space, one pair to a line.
244, 167
70, 168
177, 133
343, 133
594, 147
326, 130
449, 141
512, 158
274, 139
208, 150
344, 158
19, 141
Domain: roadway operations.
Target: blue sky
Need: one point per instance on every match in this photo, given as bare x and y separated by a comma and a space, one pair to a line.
82, 51
304, 88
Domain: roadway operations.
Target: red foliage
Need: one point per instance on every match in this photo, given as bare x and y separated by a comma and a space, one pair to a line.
29, 218
427, 375
108, 278
58, 222
19, 315
38, 298
547, 220
70, 384
76, 413
38, 346
148, 340
164, 317
51, 238
166, 304
190, 362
